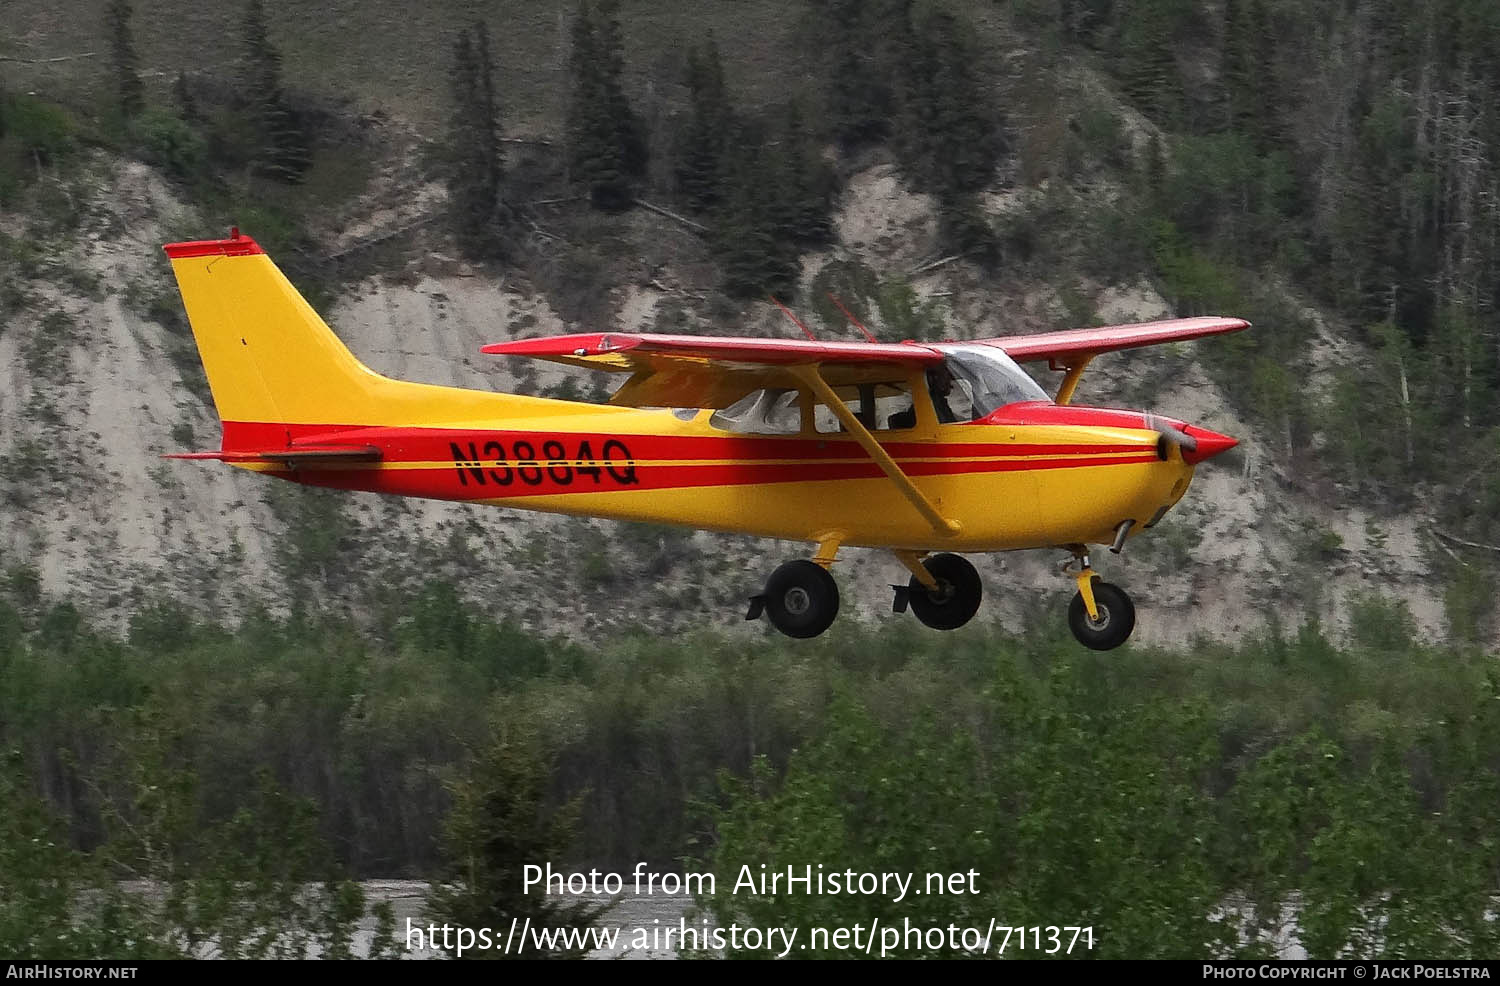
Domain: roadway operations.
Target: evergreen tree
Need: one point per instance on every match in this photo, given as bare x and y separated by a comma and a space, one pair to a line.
1248, 73
284, 153
765, 185
499, 823
187, 104
1148, 60
593, 153
475, 166
630, 131
949, 136
855, 37
808, 182
126, 62
1086, 21
262, 60
1153, 172
750, 240
964, 226
1385, 269
704, 142
606, 140
465, 171
487, 118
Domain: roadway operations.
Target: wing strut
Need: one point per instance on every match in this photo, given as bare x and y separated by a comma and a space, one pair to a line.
1075, 368
809, 375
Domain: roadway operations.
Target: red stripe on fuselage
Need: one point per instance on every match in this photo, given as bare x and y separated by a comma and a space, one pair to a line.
428, 444
464, 464
443, 482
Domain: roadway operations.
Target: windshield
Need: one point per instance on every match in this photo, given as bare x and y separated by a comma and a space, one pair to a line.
989, 378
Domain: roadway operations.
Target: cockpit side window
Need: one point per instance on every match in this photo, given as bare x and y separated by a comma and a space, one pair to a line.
884, 406
952, 397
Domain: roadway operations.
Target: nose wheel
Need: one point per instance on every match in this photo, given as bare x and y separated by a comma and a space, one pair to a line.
800, 599
1101, 615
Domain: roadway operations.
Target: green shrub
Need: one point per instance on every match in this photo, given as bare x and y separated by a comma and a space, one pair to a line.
170, 143
903, 315
1195, 282
852, 283
44, 130
1469, 602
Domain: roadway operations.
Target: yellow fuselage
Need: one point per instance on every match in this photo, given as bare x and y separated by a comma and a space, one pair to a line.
1029, 475
1007, 486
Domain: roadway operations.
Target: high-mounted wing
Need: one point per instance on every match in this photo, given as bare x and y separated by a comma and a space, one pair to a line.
1066, 347
1072, 349
715, 371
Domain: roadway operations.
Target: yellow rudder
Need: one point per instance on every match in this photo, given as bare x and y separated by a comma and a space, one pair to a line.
270, 358
267, 354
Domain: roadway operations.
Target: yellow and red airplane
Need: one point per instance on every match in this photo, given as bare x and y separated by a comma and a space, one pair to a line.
923, 449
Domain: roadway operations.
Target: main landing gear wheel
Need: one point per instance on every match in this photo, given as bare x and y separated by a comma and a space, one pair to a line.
1116, 617
957, 597
801, 599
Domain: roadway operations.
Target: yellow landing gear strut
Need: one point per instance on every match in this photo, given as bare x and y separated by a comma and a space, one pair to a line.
1085, 577
1101, 615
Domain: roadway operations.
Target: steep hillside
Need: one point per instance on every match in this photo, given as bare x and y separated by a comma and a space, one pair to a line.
392, 57
97, 387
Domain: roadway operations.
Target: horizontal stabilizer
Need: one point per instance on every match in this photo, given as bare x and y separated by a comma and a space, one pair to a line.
303, 455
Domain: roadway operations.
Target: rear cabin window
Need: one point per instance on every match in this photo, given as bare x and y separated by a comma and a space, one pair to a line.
762, 412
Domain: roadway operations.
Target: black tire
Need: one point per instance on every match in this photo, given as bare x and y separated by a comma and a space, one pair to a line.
801, 599
1116, 618
960, 591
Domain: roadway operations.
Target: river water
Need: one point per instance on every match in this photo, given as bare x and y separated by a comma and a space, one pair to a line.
407, 897
629, 913
641, 923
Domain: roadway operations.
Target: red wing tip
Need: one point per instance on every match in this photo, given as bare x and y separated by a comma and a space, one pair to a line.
237, 245
586, 344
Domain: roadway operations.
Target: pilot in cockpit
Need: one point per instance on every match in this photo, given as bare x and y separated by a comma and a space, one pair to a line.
939, 386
